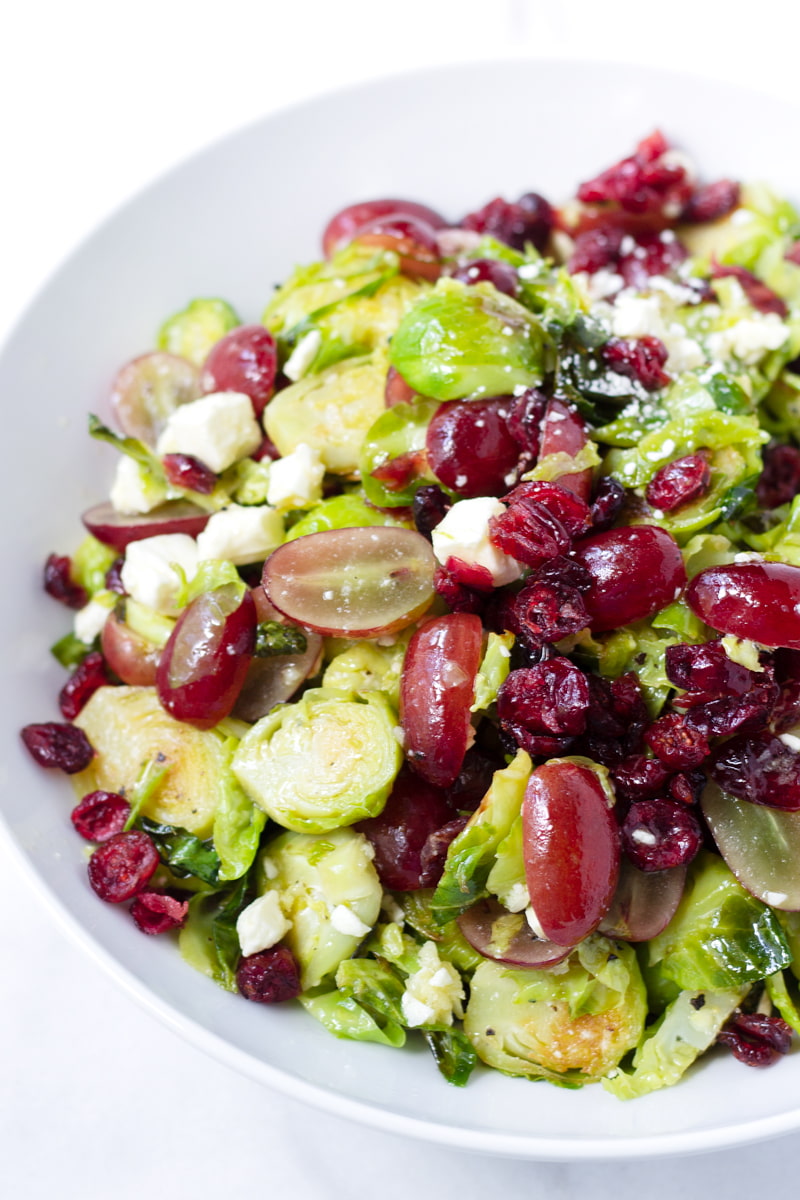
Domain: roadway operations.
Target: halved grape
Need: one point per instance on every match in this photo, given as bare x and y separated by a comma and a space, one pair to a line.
147, 390
204, 663
344, 226
437, 688
635, 570
644, 902
760, 845
564, 432
128, 654
755, 600
360, 582
120, 529
507, 937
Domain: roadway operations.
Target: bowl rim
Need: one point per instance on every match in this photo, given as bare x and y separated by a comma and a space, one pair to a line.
521, 1146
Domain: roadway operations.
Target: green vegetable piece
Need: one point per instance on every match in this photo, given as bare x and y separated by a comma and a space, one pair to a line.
344, 1017
182, 852
274, 638
399, 431
463, 341
493, 671
328, 760
366, 667
150, 779
238, 824
192, 332
472, 853
70, 650
688, 1027
331, 412
507, 880
340, 512
453, 1053
786, 1005
90, 563
208, 940
312, 885
570, 1026
721, 937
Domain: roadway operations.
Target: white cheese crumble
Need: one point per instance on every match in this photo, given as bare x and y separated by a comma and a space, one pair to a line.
295, 481
148, 574
517, 898
241, 534
434, 992
464, 534
219, 429
635, 316
344, 920
90, 619
749, 338
134, 490
791, 740
303, 355
262, 924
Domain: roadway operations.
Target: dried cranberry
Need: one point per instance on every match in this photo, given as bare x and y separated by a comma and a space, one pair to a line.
679, 482
100, 815
157, 912
609, 497
756, 1039
59, 584
616, 718
677, 745
734, 714
397, 391
779, 482
687, 786
84, 681
641, 183
707, 668
398, 473
430, 506
122, 866
268, 449
549, 699
652, 254
639, 778
572, 512
501, 275
185, 471
54, 745
525, 417
760, 296
529, 532
595, 249
760, 768
434, 852
474, 778
457, 595
269, 977
659, 834
548, 611
529, 220
641, 359
711, 201
113, 579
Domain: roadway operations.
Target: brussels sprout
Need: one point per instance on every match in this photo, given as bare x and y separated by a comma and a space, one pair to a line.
367, 667
494, 668
346, 1017
710, 430
450, 941
571, 1026
192, 332
128, 727
507, 879
398, 431
330, 412
238, 824
472, 853
90, 562
314, 875
208, 941
341, 512
687, 1028
469, 341
328, 760
721, 937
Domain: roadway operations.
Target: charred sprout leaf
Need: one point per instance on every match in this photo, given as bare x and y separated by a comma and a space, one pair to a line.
453, 1052
182, 852
274, 638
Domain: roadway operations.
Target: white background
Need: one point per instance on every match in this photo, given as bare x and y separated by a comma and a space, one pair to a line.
96, 99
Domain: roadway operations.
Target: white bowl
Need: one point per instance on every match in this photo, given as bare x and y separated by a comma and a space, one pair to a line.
231, 222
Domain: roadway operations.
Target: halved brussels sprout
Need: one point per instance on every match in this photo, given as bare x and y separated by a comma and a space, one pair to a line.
192, 332
128, 728
326, 761
367, 667
469, 341
571, 1025
331, 412
341, 512
313, 876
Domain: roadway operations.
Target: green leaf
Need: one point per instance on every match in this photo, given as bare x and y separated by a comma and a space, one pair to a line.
238, 824
182, 852
274, 638
149, 780
70, 651
453, 1053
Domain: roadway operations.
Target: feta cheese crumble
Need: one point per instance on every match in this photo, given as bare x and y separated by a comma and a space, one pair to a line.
148, 574
464, 534
295, 481
344, 920
241, 534
90, 619
434, 992
219, 429
134, 491
262, 924
303, 355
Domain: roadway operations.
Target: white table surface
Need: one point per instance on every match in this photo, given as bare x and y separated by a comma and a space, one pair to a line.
96, 1099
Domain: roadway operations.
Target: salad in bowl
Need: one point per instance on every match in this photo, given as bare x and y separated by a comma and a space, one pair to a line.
435, 659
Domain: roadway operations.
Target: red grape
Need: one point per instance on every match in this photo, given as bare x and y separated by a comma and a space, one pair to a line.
470, 448
755, 600
245, 360
119, 529
635, 570
344, 226
564, 431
